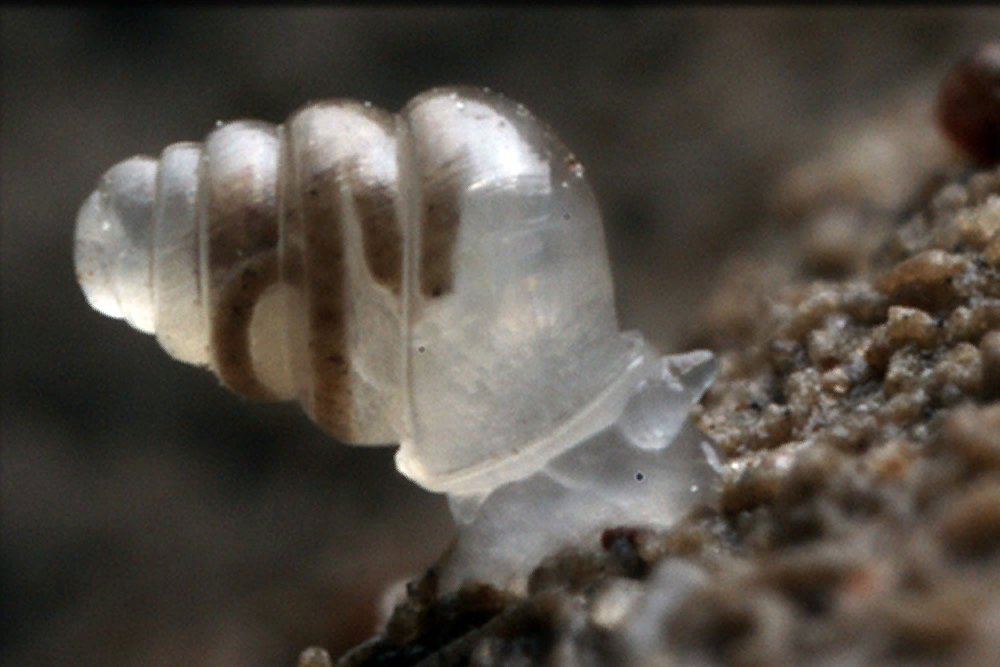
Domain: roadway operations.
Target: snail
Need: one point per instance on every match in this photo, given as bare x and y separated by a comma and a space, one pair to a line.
435, 278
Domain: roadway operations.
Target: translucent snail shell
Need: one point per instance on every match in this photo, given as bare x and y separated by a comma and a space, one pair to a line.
435, 278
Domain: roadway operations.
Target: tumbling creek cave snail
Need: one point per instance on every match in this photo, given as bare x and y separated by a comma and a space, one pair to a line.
435, 278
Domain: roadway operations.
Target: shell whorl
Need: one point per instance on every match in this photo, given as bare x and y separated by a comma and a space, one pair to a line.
435, 277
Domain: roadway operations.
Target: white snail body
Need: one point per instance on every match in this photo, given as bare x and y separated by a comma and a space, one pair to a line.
435, 278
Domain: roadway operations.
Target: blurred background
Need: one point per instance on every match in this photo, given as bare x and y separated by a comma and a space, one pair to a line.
148, 516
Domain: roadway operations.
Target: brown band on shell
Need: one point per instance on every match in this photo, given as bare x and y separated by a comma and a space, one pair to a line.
381, 235
325, 275
239, 220
231, 317
241, 223
440, 216
240, 207
375, 199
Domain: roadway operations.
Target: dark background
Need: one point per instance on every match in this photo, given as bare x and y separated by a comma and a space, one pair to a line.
149, 517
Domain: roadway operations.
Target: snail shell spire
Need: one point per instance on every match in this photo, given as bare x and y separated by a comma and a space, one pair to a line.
436, 278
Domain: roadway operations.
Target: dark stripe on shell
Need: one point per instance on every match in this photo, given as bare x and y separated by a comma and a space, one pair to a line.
440, 218
231, 318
